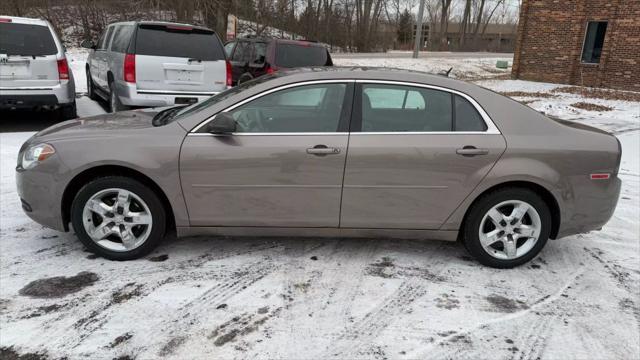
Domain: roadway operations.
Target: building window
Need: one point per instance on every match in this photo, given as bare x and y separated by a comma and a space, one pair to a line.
593, 41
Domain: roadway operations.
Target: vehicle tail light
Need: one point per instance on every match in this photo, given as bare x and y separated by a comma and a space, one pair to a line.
130, 68
229, 74
600, 176
5, 20
63, 69
271, 69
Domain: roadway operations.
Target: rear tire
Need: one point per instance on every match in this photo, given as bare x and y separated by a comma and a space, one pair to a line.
68, 112
515, 237
244, 78
114, 102
126, 219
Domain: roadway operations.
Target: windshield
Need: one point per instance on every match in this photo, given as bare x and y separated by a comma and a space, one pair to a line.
221, 96
291, 56
25, 39
175, 41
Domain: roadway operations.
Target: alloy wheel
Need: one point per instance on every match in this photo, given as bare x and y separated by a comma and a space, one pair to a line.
510, 229
117, 219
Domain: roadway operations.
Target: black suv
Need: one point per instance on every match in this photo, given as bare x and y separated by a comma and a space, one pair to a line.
253, 57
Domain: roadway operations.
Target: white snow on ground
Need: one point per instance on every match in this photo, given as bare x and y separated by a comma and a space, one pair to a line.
329, 298
77, 59
462, 68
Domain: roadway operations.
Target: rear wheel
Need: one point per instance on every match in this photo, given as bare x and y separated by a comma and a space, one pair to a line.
114, 102
507, 227
68, 112
244, 78
118, 218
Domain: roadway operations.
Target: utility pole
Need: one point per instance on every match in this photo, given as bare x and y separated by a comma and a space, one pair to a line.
418, 43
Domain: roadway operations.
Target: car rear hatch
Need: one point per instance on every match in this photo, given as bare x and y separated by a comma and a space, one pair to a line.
293, 54
28, 57
179, 59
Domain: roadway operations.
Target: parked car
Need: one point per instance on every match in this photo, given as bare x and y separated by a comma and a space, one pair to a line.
254, 57
150, 64
34, 72
326, 152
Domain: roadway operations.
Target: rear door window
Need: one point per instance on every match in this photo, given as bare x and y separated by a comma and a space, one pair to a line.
121, 38
107, 40
294, 55
178, 41
26, 39
398, 108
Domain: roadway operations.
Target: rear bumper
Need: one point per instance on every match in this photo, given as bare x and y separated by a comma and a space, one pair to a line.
129, 95
35, 97
593, 208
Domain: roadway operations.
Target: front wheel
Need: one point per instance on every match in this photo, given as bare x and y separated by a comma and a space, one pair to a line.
118, 218
508, 227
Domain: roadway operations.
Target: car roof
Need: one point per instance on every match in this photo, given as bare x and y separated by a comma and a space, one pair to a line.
146, 22
24, 20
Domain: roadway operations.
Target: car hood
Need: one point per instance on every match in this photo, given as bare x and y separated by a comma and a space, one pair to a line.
126, 122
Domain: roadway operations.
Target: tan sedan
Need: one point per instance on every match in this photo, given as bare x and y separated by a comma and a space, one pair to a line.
326, 152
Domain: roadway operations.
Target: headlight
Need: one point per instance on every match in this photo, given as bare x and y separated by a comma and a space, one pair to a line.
35, 155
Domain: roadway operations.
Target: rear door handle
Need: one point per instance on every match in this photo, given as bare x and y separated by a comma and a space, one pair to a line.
471, 151
322, 150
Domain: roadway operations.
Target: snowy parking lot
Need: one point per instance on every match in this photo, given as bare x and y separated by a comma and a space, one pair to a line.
298, 298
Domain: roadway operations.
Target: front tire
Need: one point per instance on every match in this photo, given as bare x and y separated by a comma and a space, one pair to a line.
91, 91
507, 227
118, 218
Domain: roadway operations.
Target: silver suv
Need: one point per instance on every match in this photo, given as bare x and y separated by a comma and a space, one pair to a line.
156, 64
34, 73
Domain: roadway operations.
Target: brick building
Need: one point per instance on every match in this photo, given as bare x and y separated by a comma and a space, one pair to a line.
582, 42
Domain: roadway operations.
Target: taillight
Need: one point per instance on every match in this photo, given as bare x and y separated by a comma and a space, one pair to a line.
271, 69
63, 69
130, 68
229, 74
5, 20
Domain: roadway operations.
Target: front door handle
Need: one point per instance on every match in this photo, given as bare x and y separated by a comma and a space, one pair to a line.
471, 151
322, 150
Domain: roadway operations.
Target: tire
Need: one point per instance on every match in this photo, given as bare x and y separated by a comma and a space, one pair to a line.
91, 91
114, 102
244, 78
142, 201
68, 112
514, 246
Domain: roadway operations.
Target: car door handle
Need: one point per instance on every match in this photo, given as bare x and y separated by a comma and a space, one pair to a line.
322, 150
471, 151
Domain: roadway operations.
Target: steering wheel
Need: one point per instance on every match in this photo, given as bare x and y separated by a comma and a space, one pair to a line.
251, 120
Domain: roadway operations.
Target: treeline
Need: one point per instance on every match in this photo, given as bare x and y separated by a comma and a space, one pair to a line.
348, 25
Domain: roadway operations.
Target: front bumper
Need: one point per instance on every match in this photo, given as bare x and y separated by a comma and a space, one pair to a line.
38, 192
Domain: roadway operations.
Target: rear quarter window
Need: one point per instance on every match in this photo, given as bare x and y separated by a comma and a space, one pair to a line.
26, 39
184, 42
293, 55
467, 117
122, 38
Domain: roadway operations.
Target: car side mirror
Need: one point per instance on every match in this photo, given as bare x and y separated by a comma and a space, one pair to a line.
88, 44
222, 124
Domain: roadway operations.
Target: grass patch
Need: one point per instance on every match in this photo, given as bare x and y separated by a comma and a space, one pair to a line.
591, 107
537, 94
605, 94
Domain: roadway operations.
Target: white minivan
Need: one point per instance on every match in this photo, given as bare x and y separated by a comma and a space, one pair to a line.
148, 64
34, 72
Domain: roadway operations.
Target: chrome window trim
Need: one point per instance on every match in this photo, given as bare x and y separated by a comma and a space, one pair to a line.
492, 129
283, 87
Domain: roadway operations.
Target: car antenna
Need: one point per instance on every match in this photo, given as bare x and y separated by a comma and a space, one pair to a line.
446, 73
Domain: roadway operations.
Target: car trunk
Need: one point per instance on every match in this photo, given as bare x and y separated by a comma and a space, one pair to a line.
177, 59
28, 56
